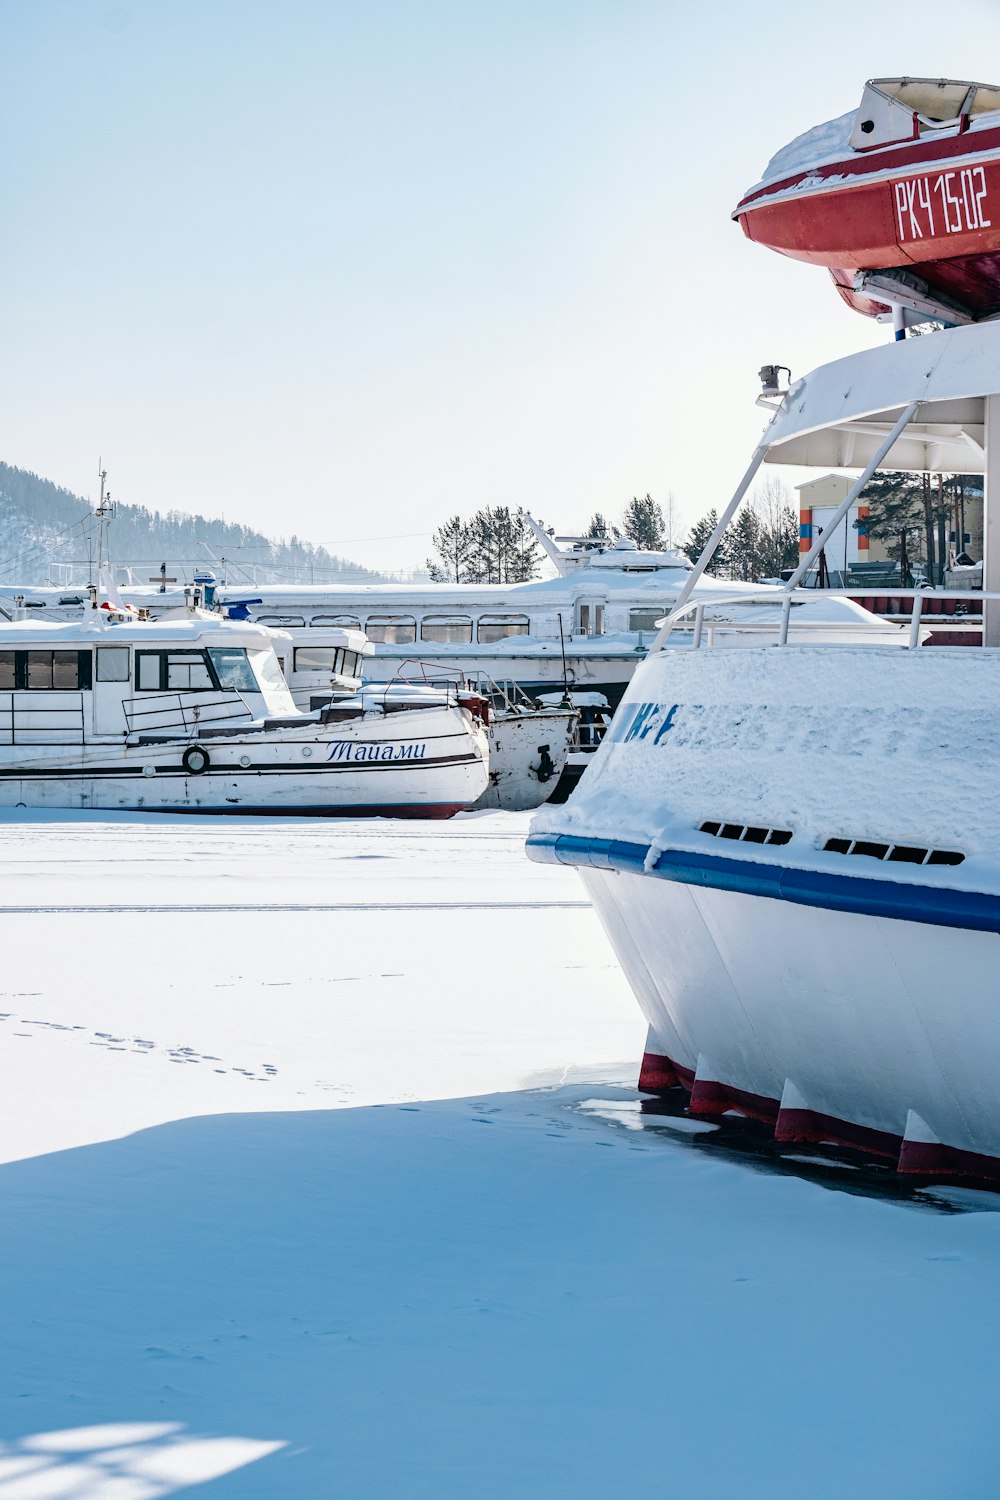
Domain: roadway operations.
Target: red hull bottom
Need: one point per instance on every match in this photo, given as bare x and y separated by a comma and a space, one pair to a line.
659, 1074
435, 810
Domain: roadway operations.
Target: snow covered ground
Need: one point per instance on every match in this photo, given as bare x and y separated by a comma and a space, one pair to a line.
323, 1176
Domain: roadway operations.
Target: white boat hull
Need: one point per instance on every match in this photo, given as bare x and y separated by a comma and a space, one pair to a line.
840, 993
827, 1024
527, 754
428, 763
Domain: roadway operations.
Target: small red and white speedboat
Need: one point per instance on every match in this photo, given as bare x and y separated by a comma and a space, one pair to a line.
899, 199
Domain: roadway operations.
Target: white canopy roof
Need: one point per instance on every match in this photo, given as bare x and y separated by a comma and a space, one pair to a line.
837, 416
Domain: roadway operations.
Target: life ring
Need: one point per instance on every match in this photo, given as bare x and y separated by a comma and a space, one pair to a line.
195, 760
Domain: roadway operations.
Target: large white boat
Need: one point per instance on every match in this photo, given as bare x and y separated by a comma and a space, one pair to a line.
194, 715
794, 849
582, 631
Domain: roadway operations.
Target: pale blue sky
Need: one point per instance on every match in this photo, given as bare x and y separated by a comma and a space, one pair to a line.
344, 269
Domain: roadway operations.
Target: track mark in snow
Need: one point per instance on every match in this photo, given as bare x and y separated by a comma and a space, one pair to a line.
137, 1046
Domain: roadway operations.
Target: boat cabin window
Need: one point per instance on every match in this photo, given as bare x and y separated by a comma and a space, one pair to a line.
233, 669
324, 659
55, 671
268, 669
591, 619
645, 619
391, 630
447, 630
345, 622
284, 621
112, 664
176, 671
498, 627
48, 671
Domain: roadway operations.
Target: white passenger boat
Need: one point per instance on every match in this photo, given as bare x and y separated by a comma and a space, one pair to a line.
794, 849
193, 715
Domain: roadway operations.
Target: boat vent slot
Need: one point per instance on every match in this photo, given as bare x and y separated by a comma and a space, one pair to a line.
900, 854
746, 833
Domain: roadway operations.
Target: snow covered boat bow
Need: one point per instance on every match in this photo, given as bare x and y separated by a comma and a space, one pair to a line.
899, 199
794, 851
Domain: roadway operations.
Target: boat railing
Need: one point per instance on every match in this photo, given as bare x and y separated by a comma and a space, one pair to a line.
168, 713
706, 630
27, 719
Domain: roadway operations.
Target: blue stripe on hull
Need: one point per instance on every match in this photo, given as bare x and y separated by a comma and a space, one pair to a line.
976, 911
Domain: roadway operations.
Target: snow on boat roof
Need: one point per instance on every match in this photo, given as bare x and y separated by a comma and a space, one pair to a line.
924, 103
499, 596
63, 634
837, 415
817, 147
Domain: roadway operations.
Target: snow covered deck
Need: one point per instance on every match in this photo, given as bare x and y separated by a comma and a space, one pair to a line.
323, 1175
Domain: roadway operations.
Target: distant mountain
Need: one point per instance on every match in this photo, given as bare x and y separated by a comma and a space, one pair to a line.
47, 536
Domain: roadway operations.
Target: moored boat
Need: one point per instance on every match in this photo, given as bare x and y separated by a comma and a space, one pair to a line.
193, 715
899, 199
793, 850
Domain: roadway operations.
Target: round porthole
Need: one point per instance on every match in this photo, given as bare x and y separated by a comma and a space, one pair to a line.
307, 750
244, 761
867, 126
149, 770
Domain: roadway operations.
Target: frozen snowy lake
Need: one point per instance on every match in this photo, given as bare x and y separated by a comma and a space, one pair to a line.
323, 1176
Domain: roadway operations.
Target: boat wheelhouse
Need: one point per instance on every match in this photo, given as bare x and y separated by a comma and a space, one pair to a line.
794, 851
194, 715
899, 199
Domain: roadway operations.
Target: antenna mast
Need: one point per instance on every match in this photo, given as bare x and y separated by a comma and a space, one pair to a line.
105, 510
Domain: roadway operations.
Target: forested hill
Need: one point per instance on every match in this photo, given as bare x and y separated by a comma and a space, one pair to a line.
42, 524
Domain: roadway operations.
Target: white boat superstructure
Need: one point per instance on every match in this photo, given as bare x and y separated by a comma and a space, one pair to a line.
193, 715
794, 851
583, 630
321, 664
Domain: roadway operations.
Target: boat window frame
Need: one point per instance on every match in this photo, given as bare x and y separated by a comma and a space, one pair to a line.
250, 683
22, 683
391, 620
656, 611
446, 619
335, 666
143, 654
107, 651
492, 618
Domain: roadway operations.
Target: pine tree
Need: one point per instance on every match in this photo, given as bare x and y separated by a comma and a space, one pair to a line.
599, 528
494, 546
778, 544
642, 520
744, 544
453, 545
698, 539
896, 516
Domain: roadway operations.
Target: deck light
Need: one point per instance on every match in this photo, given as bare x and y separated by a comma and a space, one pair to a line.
770, 380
